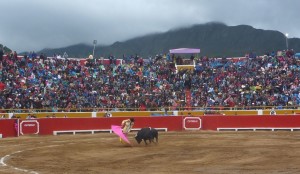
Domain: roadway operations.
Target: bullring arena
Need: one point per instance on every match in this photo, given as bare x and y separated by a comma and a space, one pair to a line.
177, 152
182, 148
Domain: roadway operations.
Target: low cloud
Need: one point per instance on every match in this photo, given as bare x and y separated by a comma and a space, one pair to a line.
32, 25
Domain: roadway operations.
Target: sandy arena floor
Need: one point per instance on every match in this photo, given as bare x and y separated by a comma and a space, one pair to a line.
205, 152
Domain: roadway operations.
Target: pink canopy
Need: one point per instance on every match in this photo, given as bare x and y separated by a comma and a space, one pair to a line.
184, 50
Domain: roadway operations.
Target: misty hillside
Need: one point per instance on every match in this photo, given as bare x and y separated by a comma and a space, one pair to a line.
214, 39
6, 50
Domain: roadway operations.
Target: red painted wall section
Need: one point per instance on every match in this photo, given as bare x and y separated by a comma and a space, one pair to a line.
173, 123
214, 122
7, 128
48, 125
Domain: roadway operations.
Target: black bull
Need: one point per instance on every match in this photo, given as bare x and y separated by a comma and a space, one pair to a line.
147, 133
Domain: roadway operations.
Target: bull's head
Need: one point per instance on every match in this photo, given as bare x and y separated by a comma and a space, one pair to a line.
138, 139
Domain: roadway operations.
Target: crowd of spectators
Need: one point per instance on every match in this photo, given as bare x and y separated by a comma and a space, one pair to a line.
35, 82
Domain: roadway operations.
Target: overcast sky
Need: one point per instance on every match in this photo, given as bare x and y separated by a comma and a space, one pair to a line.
31, 25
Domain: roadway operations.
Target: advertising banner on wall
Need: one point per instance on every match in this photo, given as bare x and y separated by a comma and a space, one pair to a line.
29, 127
192, 123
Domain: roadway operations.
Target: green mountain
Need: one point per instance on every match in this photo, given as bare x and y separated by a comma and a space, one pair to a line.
6, 50
214, 40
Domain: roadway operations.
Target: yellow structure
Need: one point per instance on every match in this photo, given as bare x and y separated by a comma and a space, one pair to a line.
153, 113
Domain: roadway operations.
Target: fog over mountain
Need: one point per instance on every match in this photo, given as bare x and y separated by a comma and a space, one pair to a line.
33, 25
214, 39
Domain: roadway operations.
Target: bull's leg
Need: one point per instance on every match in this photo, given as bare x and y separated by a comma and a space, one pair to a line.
145, 142
151, 138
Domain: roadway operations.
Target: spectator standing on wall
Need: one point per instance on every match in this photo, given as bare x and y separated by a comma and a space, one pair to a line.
28, 116
107, 114
272, 112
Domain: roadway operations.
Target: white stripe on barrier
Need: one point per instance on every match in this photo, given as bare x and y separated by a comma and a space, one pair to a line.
259, 128
81, 131
93, 131
158, 129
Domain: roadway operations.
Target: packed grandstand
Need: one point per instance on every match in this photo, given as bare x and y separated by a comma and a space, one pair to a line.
133, 83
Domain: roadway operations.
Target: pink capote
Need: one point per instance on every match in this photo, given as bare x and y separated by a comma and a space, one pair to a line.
118, 130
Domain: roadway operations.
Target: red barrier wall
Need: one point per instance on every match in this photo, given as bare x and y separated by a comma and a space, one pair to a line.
48, 125
7, 128
214, 122
173, 123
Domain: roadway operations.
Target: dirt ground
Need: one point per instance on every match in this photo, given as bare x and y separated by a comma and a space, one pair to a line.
187, 152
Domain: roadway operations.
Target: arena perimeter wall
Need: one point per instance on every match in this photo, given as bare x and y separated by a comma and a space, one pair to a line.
100, 114
46, 126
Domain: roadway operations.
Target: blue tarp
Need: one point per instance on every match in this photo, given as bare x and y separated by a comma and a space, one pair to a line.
297, 55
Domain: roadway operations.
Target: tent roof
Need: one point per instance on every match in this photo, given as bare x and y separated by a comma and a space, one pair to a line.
185, 50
